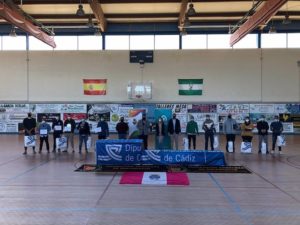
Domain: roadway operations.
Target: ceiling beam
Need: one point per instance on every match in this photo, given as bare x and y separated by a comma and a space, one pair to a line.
99, 15
16, 18
182, 11
260, 17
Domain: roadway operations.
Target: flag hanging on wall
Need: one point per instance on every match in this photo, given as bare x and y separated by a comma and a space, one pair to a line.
190, 86
94, 86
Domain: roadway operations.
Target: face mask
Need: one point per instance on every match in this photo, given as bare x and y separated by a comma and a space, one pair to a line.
247, 121
43, 121
174, 117
102, 119
29, 115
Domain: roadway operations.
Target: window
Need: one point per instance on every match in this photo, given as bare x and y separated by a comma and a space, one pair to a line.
166, 41
66, 42
14, 43
141, 42
249, 41
36, 45
273, 41
117, 42
89, 42
194, 41
218, 41
293, 40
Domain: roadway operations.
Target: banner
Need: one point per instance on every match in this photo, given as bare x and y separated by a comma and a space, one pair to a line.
202, 108
14, 108
129, 152
233, 108
262, 108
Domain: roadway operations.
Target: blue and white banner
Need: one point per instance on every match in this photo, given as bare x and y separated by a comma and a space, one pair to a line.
129, 152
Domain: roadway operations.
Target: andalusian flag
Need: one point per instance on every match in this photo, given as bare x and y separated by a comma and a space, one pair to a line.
190, 86
94, 86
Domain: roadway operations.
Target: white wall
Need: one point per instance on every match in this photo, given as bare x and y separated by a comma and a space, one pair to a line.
229, 75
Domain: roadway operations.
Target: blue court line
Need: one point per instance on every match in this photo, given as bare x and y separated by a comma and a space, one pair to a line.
234, 204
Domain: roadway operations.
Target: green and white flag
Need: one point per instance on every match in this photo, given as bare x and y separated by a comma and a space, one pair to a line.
190, 86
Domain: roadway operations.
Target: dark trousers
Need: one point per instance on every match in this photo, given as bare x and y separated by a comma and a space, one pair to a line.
54, 140
274, 139
247, 138
83, 139
101, 137
230, 137
42, 140
145, 140
211, 137
192, 137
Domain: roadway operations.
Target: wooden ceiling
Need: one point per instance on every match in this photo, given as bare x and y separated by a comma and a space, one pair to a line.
63, 12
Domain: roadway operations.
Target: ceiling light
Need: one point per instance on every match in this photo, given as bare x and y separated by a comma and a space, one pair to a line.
286, 20
80, 11
191, 11
13, 32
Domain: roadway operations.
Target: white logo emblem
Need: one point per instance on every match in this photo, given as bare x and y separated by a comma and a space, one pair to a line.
114, 151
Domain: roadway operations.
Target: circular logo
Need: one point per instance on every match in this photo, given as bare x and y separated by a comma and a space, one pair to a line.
154, 177
114, 117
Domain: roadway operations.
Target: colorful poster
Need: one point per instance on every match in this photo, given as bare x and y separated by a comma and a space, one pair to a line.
14, 108
293, 108
73, 108
75, 116
280, 108
288, 127
176, 108
48, 108
134, 115
233, 108
262, 108
202, 108
166, 115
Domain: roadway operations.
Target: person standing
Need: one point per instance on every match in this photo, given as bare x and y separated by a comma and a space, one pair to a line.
57, 127
143, 128
174, 129
103, 126
276, 128
84, 133
160, 134
122, 129
209, 131
29, 124
262, 127
247, 130
69, 128
229, 128
44, 130
192, 131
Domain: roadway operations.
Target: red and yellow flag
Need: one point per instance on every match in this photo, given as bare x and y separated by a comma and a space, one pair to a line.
94, 86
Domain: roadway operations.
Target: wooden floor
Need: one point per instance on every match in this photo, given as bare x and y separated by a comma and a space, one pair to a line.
42, 189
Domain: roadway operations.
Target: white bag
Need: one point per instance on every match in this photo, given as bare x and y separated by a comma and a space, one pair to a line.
185, 144
246, 147
61, 143
230, 146
29, 141
89, 143
281, 140
263, 148
216, 142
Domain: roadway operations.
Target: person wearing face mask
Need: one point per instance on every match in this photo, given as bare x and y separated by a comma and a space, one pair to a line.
84, 133
143, 127
229, 128
104, 133
262, 127
122, 129
160, 134
29, 124
192, 131
57, 127
174, 129
209, 131
69, 128
247, 128
276, 128
44, 130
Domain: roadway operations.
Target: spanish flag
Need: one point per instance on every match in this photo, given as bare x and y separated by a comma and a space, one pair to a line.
94, 86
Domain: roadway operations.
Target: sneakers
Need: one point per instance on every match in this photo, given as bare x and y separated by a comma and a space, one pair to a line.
259, 152
25, 153
280, 153
272, 152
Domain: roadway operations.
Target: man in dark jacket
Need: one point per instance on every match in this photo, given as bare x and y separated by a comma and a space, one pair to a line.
229, 128
69, 128
276, 128
103, 126
44, 130
57, 127
209, 130
262, 127
84, 133
174, 129
122, 129
143, 127
29, 124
